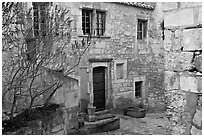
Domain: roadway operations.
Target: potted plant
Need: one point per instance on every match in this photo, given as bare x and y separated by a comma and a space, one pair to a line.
137, 109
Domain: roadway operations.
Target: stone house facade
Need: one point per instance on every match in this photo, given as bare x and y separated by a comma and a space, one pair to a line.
138, 51
125, 54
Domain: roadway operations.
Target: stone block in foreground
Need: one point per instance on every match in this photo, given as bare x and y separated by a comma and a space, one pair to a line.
105, 125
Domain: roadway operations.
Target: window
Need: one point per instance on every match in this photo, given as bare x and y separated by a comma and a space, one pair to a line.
100, 23
141, 29
40, 14
139, 86
90, 16
119, 71
138, 89
87, 21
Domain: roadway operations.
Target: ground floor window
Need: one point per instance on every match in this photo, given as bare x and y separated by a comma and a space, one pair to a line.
139, 86
138, 89
120, 70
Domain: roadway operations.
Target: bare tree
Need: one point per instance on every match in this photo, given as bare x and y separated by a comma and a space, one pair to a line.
33, 48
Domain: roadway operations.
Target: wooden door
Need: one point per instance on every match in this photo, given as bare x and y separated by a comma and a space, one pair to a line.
99, 88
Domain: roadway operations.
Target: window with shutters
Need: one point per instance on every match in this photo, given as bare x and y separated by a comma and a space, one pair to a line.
100, 23
40, 14
141, 29
87, 21
93, 22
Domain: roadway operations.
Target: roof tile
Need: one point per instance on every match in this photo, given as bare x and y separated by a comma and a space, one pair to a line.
140, 5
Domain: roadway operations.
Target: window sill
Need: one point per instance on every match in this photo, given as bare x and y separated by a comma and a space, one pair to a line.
142, 39
119, 80
94, 36
136, 97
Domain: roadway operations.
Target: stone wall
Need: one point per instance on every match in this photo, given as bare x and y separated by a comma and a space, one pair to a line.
144, 59
183, 66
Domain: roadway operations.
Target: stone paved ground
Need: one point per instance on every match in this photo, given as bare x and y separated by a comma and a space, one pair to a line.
152, 124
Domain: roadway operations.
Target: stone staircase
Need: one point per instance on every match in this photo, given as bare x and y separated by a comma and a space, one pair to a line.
106, 121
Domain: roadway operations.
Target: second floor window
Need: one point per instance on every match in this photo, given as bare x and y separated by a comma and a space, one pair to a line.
100, 23
88, 18
141, 29
40, 18
87, 21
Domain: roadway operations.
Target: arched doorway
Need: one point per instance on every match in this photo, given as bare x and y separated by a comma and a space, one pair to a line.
99, 88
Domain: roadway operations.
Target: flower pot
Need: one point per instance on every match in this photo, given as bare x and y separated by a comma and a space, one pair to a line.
91, 110
137, 113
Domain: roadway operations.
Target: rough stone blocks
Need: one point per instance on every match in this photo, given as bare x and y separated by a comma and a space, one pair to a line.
198, 63
178, 61
171, 80
195, 131
190, 83
71, 99
179, 18
190, 4
192, 39
169, 6
198, 118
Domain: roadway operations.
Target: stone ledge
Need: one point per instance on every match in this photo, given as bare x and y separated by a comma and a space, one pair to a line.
85, 36
96, 127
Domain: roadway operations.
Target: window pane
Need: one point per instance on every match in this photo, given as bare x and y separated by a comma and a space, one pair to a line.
138, 89
100, 23
40, 15
86, 21
145, 29
139, 35
119, 71
141, 29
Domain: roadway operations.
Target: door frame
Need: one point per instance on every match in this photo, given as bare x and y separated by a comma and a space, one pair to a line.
107, 76
103, 70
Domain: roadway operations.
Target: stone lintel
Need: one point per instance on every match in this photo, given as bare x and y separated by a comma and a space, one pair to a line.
100, 60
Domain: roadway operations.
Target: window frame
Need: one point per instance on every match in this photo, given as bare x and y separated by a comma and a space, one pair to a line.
90, 11
143, 30
124, 62
103, 22
138, 86
39, 18
121, 66
97, 24
141, 79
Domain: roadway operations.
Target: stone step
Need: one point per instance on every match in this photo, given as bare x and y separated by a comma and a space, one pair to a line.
105, 116
99, 113
104, 125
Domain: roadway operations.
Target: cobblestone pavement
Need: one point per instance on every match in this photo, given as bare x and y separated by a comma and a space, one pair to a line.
152, 124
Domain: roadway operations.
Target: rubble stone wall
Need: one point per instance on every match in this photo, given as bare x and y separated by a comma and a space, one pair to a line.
144, 58
183, 66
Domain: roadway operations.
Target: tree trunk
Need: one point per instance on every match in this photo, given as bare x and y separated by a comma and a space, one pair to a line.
12, 107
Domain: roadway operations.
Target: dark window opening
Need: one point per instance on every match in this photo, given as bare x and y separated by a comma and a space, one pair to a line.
162, 27
138, 89
100, 23
141, 29
40, 13
87, 21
